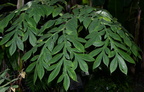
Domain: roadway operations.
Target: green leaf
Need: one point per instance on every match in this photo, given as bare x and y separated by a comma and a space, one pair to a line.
127, 41
61, 39
121, 45
44, 9
82, 11
126, 56
13, 27
113, 65
60, 21
69, 32
107, 50
3, 74
20, 44
47, 56
40, 70
71, 25
27, 55
81, 40
3, 89
6, 37
5, 21
8, 43
105, 60
86, 22
55, 58
95, 52
35, 76
52, 2
52, 67
98, 43
66, 54
58, 48
19, 20
70, 50
111, 54
56, 12
115, 36
54, 73
107, 19
114, 28
49, 10
50, 44
83, 65
72, 74
92, 35
32, 39
31, 22
12, 48
121, 33
75, 11
20, 33
34, 58
55, 37
80, 28
60, 78
75, 63
78, 45
47, 25
1, 81
68, 63
90, 42
30, 67
40, 10
122, 64
66, 82
81, 17
86, 57
93, 25
45, 65
37, 17
89, 9
98, 61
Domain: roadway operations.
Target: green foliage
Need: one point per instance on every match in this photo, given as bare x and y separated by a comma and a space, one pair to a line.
5, 82
59, 43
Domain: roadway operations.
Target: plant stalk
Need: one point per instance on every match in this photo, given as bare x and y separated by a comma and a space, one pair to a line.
20, 3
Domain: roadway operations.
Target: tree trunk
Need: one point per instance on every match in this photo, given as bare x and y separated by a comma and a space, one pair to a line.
20, 3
